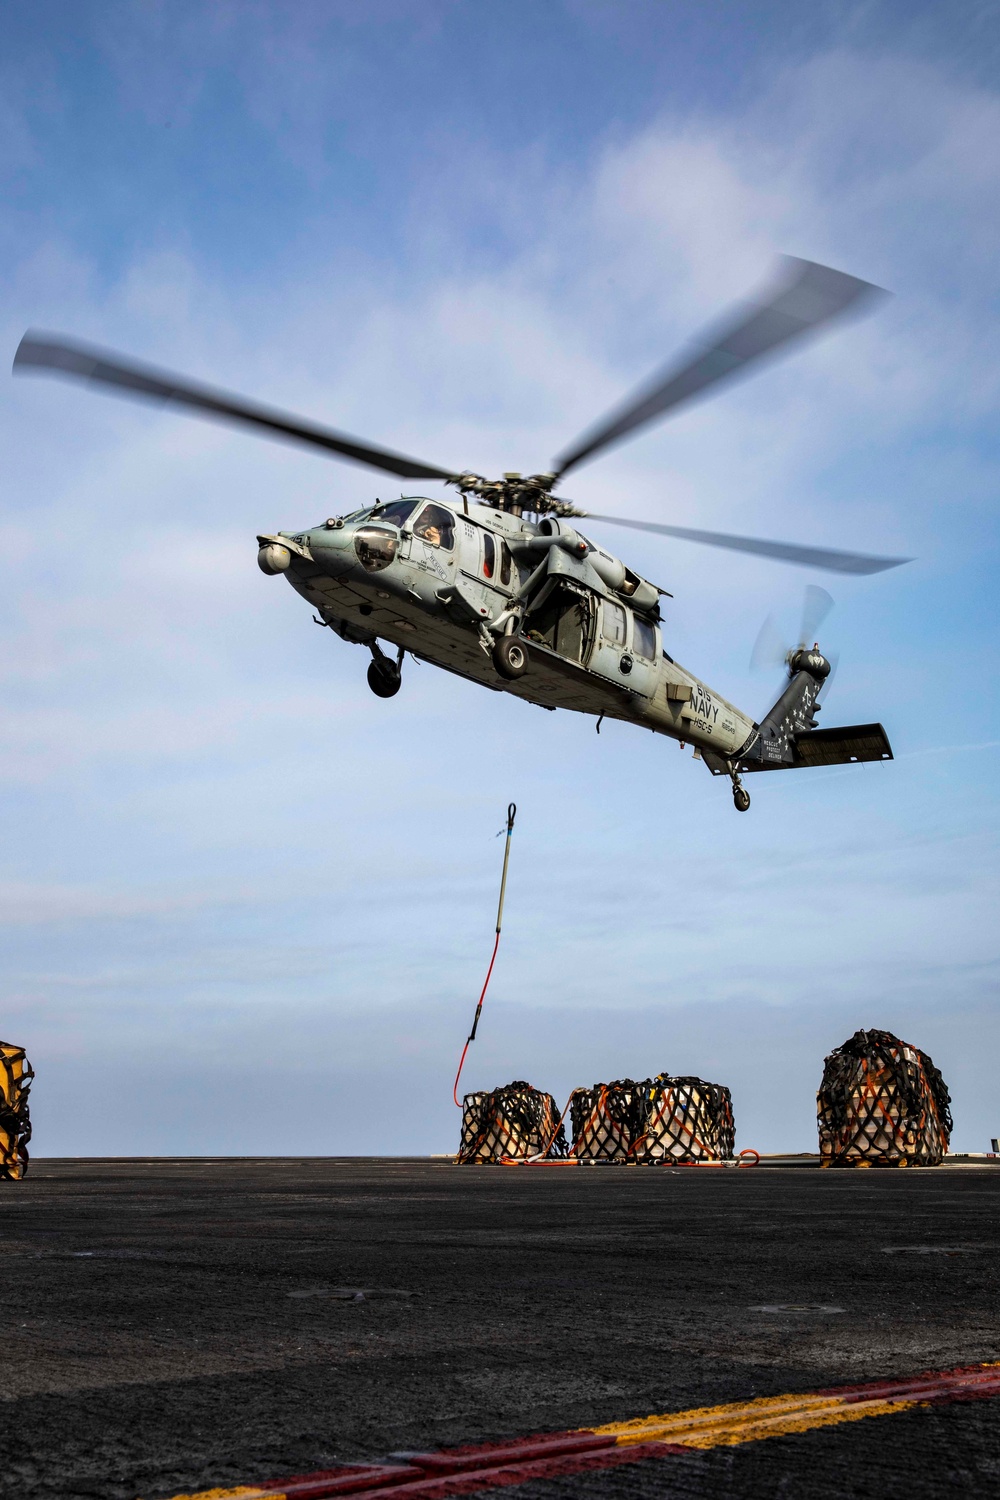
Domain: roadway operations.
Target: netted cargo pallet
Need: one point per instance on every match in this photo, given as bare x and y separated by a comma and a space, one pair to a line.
510, 1124
609, 1120
15, 1125
882, 1103
659, 1119
689, 1120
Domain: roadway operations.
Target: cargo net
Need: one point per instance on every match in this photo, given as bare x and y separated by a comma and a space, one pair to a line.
510, 1124
660, 1119
882, 1103
15, 1126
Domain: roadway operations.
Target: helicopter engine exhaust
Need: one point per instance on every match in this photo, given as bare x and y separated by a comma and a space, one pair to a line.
610, 570
640, 593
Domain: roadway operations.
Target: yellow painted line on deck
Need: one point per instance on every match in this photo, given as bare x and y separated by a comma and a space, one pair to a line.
241, 1492
767, 1416
746, 1421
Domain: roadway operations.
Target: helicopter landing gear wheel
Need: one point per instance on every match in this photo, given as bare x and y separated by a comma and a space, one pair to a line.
385, 676
741, 797
510, 657
384, 679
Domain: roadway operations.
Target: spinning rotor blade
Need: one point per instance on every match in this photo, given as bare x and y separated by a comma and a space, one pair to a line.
816, 605
828, 558
807, 296
770, 650
78, 361
833, 657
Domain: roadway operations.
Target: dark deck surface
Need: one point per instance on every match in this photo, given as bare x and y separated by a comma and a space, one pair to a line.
155, 1338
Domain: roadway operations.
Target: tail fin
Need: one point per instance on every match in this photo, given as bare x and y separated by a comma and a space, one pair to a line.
792, 715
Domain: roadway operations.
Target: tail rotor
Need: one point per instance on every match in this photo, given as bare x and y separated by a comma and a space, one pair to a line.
771, 648
816, 605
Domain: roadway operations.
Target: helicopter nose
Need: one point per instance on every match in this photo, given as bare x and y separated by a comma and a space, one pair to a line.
376, 547
273, 558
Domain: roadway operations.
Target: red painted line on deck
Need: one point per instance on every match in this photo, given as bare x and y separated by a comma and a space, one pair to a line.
463, 1470
500, 1476
965, 1383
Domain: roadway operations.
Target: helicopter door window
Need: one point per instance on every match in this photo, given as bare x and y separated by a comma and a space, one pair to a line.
504, 563
643, 639
398, 512
437, 527
613, 623
489, 555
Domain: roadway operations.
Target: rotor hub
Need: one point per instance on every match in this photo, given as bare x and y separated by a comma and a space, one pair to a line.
516, 493
809, 659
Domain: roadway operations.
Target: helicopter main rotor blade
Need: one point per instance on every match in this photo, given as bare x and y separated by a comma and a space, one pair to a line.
38, 352
828, 558
807, 296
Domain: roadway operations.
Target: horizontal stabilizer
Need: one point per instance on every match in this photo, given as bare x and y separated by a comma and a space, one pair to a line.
838, 747
853, 743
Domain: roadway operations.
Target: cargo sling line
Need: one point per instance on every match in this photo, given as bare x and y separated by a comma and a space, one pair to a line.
511, 814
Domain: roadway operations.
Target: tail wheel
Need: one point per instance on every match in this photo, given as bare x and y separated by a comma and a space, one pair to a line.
510, 656
384, 679
741, 798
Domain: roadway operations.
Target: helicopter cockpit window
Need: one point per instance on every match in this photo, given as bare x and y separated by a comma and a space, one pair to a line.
397, 512
643, 639
504, 563
489, 555
613, 623
436, 526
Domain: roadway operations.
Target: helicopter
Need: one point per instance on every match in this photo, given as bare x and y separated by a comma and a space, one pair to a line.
500, 587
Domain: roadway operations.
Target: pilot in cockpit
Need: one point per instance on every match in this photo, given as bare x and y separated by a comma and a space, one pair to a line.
436, 526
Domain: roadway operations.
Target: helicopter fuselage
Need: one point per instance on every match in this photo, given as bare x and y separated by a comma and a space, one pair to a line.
444, 583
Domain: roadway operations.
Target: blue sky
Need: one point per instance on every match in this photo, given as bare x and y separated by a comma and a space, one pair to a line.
246, 906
